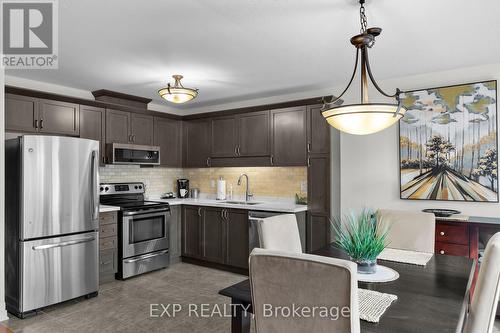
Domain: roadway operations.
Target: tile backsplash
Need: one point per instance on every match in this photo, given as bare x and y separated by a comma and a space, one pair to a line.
157, 180
283, 182
264, 181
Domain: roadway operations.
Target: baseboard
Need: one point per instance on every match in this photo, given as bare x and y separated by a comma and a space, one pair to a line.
222, 267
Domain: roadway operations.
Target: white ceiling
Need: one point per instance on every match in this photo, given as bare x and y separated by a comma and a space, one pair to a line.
237, 50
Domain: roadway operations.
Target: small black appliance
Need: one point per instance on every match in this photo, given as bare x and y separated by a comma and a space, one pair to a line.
182, 188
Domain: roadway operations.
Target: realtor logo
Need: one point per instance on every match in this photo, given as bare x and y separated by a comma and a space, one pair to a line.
29, 34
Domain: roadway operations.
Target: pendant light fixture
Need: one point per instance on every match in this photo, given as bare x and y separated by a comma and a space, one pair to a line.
365, 117
177, 93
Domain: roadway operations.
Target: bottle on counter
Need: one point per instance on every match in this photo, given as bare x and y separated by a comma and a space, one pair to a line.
230, 192
221, 189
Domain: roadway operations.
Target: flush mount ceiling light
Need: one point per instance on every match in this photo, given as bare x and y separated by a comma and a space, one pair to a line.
365, 117
177, 93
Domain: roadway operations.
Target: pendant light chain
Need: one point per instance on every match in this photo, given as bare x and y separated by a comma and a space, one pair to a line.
362, 17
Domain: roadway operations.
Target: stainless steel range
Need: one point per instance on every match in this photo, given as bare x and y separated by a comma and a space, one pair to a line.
143, 229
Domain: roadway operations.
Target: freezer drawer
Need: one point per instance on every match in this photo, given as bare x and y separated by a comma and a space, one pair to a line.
58, 269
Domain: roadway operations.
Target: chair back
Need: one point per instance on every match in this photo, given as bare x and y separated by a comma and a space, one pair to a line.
412, 231
483, 308
280, 280
280, 233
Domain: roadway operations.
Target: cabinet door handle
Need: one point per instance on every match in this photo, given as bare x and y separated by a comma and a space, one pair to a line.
36, 123
225, 214
272, 160
222, 214
208, 161
41, 123
238, 149
441, 252
199, 211
308, 147
442, 233
103, 160
308, 161
133, 138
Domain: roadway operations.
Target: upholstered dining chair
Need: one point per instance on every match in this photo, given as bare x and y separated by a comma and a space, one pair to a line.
280, 233
483, 307
280, 280
412, 231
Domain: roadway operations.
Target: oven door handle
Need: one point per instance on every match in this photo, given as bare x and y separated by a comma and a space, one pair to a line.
146, 256
146, 212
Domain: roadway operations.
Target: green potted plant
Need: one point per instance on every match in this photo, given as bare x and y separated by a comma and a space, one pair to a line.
361, 238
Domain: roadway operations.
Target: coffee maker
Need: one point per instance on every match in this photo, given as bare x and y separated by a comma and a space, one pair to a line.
182, 188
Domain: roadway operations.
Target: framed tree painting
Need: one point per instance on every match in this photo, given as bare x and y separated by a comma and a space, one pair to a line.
448, 143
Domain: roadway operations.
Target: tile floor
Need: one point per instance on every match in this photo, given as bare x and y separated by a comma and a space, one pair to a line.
124, 306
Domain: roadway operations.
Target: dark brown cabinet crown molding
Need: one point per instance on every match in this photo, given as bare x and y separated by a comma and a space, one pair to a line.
114, 97
82, 101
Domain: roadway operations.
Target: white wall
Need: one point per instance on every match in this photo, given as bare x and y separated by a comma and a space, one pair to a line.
370, 164
3, 312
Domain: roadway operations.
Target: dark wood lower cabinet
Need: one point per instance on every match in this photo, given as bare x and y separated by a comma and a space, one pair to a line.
212, 234
191, 231
237, 238
216, 235
175, 235
318, 231
108, 251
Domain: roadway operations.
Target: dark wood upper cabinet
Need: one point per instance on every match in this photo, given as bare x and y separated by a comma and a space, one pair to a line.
212, 234
236, 248
92, 126
141, 129
191, 228
168, 136
117, 126
197, 143
254, 133
224, 138
318, 132
59, 117
289, 136
21, 113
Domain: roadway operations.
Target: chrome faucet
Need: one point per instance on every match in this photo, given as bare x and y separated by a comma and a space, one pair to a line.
248, 195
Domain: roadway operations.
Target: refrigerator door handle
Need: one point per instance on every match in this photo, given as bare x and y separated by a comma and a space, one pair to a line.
93, 187
74, 242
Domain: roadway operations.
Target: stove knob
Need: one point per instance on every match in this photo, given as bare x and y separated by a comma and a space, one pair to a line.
106, 189
140, 187
101, 189
136, 187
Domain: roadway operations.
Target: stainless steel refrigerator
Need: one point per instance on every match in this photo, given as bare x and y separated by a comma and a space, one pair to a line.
52, 213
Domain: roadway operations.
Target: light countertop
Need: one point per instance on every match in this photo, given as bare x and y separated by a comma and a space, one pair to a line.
107, 208
262, 205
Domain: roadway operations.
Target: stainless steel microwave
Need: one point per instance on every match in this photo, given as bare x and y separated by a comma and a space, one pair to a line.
121, 153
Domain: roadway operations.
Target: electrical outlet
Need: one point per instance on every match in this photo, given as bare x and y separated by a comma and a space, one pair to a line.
303, 186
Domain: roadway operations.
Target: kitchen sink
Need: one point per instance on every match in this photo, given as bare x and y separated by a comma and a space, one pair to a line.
241, 203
